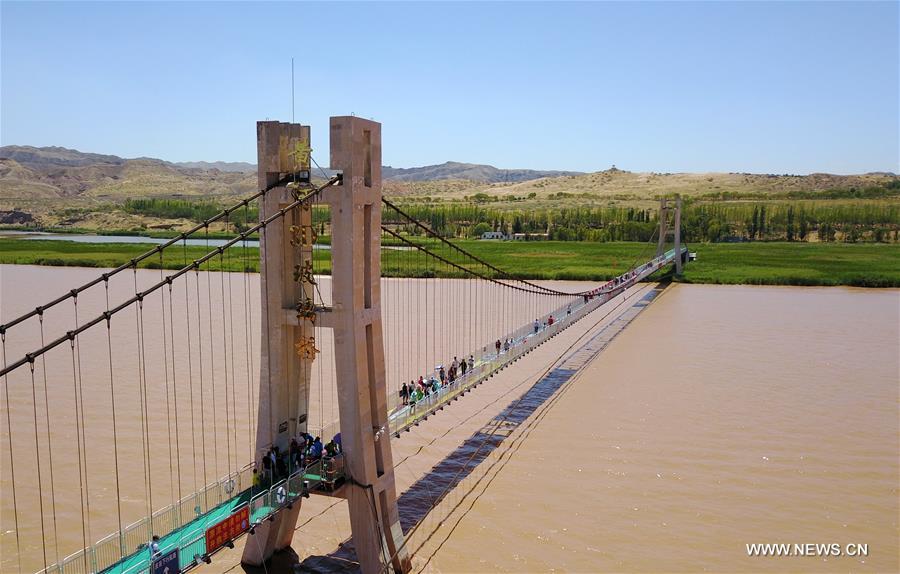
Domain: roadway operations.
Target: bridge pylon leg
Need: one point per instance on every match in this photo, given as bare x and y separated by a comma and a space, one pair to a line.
284, 374
663, 231
359, 349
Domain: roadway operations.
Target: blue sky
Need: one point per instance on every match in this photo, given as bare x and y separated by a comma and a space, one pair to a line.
791, 87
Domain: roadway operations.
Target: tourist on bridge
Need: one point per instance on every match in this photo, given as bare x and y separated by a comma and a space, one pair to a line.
414, 398
455, 364
442, 374
316, 450
280, 464
537, 326
295, 453
471, 362
498, 344
267, 467
331, 449
550, 320
404, 393
462, 367
506, 345
569, 310
154, 547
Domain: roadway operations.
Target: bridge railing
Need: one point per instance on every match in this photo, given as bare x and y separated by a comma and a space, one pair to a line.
107, 552
114, 547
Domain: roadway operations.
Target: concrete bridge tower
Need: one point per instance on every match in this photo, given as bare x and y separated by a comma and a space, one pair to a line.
355, 317
667, 211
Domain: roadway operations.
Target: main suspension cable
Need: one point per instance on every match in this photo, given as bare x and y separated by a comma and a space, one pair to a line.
180, 272
184, 235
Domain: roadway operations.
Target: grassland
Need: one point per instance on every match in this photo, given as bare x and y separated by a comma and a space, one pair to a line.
761, 263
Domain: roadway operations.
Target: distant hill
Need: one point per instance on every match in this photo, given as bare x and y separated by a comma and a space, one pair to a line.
229, 166
45, 157
53, 179
468, 171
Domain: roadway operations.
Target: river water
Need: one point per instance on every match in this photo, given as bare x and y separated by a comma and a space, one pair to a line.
722, 416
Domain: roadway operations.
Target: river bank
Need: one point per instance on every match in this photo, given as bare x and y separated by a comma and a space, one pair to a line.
757, 263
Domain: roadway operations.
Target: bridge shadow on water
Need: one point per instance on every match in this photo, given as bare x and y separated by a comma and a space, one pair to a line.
415, 503
428, 491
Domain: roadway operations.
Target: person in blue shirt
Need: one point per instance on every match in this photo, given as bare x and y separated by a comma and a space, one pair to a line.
154, 547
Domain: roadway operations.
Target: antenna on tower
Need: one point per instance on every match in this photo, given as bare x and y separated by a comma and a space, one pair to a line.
292, 89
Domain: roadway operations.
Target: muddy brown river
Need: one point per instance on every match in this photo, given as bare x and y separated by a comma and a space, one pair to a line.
721, 417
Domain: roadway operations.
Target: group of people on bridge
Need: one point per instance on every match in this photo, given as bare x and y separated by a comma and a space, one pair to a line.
303, 451
417, 390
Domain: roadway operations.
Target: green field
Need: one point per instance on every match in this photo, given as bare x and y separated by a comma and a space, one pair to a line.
761, 263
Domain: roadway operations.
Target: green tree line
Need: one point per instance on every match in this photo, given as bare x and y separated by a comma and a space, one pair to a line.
709, 221
701, 221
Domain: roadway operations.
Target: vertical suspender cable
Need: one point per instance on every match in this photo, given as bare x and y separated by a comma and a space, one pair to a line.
411, 335
233, 379
37, 453
162, 302
264, 277
12, 458
205, 480
225, 365
83, 438
49, 439
175, 397
281, 281
421, 325
112, 393
145, 420
248, 345
187, 320
79, 452
212, 363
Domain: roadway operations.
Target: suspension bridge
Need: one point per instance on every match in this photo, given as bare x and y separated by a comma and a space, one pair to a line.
167, 407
